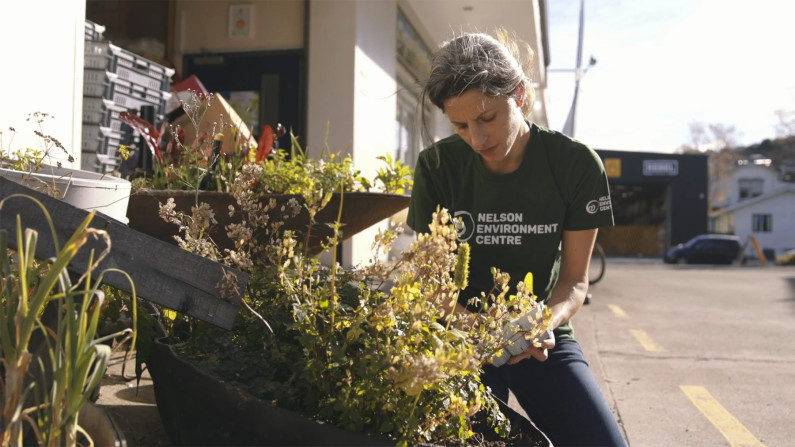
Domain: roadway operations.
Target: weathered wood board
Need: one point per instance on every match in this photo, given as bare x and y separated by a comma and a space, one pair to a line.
162, 272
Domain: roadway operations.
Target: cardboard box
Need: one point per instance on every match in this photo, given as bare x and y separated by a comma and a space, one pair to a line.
182, 91
219, 117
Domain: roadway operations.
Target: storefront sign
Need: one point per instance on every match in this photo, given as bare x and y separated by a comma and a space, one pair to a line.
661, 167
613, 167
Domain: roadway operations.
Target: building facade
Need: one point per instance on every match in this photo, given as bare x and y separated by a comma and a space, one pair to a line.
659, 200
760, 204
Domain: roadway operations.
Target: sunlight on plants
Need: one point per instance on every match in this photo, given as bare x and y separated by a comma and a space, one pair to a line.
53, 355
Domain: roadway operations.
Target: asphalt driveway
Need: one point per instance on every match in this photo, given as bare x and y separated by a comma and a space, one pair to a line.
694, 355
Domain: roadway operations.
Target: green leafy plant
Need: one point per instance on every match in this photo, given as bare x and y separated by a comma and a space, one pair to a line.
68, 363
367, 348
396, 177
32, 159
205, 165
35, 160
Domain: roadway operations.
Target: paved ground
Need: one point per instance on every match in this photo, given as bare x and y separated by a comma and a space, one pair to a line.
695, 355
686, 355
133, 408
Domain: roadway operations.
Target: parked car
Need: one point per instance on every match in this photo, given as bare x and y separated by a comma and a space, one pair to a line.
705, 249
786, 258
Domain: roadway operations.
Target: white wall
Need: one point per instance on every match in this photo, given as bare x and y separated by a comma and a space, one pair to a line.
782, 209
42, 71
769, 175
204, 26
352, 89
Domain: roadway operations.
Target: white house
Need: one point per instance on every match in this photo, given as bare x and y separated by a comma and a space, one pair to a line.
760, 204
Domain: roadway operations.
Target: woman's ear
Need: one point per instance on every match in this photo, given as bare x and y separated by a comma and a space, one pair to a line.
520, 94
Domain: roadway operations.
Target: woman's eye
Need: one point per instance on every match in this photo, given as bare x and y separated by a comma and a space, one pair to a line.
488, 119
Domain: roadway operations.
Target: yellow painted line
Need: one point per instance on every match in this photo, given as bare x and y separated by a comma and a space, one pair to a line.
617, 311
725, 422
646, 341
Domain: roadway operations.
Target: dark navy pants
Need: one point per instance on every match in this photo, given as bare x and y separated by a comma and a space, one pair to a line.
560, 395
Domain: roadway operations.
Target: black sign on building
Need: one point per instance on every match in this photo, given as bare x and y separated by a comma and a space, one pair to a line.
659, 200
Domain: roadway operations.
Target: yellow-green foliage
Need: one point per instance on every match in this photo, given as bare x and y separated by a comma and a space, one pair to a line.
74, 355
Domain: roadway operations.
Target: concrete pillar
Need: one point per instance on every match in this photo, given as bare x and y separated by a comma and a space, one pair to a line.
352, 89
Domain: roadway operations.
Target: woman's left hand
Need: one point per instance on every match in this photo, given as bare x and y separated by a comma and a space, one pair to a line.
539, 353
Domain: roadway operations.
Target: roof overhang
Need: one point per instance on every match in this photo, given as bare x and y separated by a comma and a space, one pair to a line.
442, 19
439, 20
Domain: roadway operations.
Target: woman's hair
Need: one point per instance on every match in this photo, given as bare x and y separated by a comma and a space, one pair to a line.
495, 66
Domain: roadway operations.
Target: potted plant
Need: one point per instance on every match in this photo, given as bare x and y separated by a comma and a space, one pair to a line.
53, 358
363, 349
204, 168
36, 169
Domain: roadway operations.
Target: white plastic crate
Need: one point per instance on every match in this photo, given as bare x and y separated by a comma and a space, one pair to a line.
97, 55
133, 97
107, 163
94, 31
91, 138
93, 89
111, 140
91, 132
95, 76
94, 109
128, 65
97, 82
89, 162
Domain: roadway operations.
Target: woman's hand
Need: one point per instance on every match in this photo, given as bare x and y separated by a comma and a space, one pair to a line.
569, 292
539, 353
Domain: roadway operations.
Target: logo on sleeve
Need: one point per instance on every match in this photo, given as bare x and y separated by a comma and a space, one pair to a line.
600, 204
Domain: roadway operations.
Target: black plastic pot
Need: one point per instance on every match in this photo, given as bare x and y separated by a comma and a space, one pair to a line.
198, 409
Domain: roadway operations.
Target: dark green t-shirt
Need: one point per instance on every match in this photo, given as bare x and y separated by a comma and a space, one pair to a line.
513, 221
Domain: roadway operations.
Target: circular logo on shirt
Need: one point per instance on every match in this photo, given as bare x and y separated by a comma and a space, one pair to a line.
592, 207
464, 225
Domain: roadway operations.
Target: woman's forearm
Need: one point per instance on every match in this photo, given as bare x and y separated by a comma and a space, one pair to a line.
567, 298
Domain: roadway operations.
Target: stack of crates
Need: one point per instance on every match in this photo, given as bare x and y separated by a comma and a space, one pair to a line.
116, 80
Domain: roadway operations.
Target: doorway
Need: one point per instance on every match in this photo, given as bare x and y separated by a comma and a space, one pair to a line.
263, 87
642, 219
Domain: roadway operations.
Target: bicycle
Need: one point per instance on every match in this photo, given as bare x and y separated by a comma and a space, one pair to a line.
596, 270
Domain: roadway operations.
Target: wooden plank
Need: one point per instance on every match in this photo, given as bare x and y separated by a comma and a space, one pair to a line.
162, 272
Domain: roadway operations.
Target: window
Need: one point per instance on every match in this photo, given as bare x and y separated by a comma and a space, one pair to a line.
414, 63
762, 223
751, 187
408, 128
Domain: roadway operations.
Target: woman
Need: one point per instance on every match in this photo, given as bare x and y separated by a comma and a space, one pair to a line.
526, 199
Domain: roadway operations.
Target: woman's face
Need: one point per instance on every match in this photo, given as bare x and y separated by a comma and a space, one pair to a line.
492, 125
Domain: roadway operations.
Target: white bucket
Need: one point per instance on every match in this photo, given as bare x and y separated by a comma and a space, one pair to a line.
87, 190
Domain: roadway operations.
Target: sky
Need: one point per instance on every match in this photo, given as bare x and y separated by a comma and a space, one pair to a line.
662, 64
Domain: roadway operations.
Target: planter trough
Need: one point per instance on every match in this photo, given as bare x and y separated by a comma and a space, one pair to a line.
360, 210
198, 409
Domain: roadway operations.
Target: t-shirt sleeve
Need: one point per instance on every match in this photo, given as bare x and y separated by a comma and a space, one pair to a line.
587, 192
424, 198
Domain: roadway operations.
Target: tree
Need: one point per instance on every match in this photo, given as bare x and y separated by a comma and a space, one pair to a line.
719, 142
786, 123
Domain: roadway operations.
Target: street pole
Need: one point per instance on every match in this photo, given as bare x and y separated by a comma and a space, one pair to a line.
568, 127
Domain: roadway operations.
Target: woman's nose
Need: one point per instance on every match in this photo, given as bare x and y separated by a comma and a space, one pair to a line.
478, 136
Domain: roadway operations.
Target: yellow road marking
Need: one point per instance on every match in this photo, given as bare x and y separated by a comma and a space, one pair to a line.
617, 311
646, 341
728, 425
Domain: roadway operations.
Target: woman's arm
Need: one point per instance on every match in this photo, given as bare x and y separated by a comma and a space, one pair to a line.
569, 292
